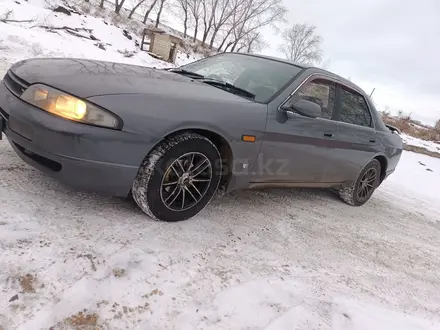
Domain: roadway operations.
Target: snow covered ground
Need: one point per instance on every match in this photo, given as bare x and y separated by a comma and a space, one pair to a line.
277, 259
273, 260
428, 145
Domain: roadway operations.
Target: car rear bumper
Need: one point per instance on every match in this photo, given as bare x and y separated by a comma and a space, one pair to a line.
86, 157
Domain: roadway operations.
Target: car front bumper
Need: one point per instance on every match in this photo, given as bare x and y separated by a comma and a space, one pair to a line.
82, 156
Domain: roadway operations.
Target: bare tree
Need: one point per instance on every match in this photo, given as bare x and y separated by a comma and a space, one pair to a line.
225, 11
101, 4
301, 44
135, 7
224, 38
149, 10
231, 24
118, 5
255, 43
236, 18
184, 5
255, 15
159, 13
437, 125
196, 10
209, 8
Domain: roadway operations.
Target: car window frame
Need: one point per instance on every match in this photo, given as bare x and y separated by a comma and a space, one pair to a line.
339, 106
309, 79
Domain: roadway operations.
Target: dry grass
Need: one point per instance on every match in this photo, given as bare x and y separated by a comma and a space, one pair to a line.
429, 135
118, 272
421, 150
153, 293
27, 283
79, 321
426, 133
409, 127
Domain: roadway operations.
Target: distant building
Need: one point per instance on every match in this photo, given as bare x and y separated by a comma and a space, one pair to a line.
161, 45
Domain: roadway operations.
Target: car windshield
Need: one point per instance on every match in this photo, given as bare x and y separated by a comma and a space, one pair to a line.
260, 76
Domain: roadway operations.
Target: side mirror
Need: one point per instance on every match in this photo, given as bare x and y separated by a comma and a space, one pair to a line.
305, 108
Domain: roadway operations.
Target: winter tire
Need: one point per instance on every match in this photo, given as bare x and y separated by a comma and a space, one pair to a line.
363, 188
178, 178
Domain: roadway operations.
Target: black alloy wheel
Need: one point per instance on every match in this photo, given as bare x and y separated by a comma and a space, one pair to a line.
186, 181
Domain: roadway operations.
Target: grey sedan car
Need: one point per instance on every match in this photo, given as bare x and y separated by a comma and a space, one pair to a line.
173, 137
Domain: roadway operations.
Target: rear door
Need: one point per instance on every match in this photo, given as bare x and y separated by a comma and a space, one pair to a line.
295, 147
357, 139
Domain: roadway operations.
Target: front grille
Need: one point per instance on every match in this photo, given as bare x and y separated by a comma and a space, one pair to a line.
15, 84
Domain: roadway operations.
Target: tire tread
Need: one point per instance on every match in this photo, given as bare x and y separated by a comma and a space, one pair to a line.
146, 170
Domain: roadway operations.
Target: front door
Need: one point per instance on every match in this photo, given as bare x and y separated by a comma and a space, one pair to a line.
295, 147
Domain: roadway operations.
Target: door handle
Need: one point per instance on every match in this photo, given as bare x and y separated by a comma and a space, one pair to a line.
372, 140
328, 134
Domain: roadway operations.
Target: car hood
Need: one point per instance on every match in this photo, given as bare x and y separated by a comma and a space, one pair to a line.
87, 78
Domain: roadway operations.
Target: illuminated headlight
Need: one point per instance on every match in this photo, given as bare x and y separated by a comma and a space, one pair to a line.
68, 106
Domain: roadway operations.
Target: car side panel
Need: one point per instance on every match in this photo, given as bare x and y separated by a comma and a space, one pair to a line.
295, 149
308, 145
392, 147
155, 117
392, 144
354, 149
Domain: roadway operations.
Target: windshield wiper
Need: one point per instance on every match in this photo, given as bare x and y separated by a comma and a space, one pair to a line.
186, 72
220, 83
232, 88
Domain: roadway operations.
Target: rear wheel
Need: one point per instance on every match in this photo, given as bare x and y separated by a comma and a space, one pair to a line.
178, 178
360, 191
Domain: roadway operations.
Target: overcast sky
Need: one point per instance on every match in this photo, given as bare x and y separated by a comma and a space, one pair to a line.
392, 45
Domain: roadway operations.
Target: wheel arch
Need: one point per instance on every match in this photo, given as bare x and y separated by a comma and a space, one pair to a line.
383, 166
221, 144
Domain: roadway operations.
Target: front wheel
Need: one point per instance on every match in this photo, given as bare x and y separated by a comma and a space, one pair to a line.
360, 191
178, 178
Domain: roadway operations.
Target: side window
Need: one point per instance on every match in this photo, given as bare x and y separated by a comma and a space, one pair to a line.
354, 108
319, 91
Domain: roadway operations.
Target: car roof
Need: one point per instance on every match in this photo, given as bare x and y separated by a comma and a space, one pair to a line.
310, 67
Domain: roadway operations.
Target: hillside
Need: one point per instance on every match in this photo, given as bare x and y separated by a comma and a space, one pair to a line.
31, 29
